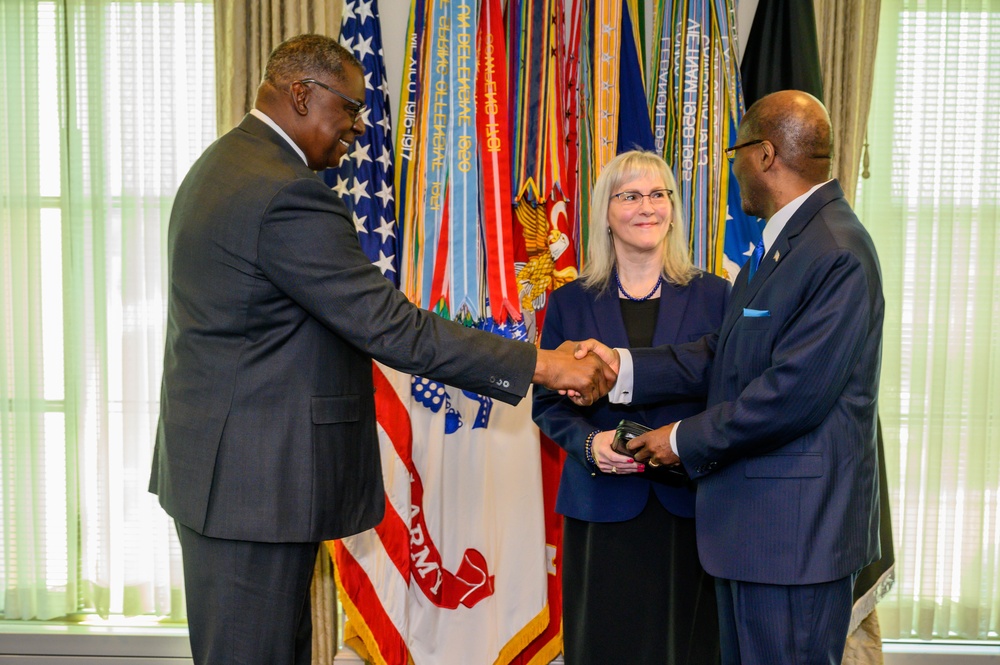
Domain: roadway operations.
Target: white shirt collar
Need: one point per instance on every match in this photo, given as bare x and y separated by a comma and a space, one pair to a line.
778, 220
260, 115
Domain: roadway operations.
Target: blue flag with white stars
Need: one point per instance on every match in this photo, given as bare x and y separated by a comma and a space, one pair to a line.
364, 179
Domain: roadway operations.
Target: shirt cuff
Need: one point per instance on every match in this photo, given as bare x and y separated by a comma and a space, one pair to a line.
673, 438
621, 393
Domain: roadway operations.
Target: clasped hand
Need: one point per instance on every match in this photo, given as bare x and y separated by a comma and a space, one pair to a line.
587, 349
585, 377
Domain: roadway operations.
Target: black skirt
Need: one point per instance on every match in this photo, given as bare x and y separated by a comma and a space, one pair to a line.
635, 593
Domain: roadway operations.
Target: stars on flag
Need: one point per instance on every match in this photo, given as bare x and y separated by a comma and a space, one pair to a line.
341, 186
360, 190
364, 179
385, 157
362, 48
385, 229
362, 10
385, 194
360, 153
384, 263
359, 222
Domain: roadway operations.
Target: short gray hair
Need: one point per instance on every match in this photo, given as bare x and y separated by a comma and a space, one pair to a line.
308, 56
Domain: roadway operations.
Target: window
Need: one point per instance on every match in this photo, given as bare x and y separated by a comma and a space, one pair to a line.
931, 205
103, 107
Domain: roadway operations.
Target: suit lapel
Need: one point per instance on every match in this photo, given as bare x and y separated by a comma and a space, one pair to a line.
779, 250
673, 303
737, 300
743, 292
608, 319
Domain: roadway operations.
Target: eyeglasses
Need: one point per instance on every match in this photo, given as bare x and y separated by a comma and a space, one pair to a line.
630, 198
731, 152
356, 108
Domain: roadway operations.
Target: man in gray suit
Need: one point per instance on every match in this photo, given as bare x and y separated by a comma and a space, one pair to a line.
267, 441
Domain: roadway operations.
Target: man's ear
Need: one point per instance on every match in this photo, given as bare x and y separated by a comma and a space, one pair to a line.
767, 155
299, 93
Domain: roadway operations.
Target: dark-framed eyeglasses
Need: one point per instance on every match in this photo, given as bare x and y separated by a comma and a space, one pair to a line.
356, 107
631, 198
731, 152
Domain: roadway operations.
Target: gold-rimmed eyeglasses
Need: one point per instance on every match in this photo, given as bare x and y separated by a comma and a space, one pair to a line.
631, 198
356, 107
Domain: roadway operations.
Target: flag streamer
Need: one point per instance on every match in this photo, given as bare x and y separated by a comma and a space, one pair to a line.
494, 141
435, 104
695, 105
409, 175
545, 253
463, 160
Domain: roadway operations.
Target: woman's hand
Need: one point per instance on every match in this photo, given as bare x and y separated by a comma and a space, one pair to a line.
608, 461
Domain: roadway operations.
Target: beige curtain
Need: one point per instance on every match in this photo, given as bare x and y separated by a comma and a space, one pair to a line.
245, 33
932, 206
324, 610
848, 33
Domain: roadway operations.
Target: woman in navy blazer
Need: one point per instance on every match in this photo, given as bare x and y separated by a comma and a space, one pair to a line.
633, 588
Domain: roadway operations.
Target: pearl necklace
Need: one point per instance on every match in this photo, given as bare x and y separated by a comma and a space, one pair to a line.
633, 298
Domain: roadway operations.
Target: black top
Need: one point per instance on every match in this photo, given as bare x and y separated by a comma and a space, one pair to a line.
640, 321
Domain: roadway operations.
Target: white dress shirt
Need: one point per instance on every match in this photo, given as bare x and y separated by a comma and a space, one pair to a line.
260, 115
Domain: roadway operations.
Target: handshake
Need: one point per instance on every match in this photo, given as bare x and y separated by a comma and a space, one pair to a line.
583, 371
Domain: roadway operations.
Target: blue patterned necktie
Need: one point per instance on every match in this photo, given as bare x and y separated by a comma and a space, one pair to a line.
758, 254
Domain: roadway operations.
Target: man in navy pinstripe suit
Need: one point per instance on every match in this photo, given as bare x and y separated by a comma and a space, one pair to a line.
784, 455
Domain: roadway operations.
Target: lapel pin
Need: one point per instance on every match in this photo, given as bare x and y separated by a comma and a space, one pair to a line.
777, 255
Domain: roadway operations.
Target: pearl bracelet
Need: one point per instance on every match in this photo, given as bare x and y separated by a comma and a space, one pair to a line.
588, 451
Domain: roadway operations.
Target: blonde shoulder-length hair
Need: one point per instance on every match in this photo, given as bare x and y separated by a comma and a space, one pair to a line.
677, 266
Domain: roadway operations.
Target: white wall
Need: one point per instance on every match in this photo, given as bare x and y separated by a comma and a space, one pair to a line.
395, 18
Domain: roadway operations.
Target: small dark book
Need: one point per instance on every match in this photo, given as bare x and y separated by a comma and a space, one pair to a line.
669, 475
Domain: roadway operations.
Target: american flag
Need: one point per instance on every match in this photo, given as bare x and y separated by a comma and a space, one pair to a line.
364, 179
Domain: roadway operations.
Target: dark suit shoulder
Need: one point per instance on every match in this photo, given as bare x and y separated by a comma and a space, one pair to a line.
844, 224
572, 293
261, 156
836, 228
240, 175
252, 156
708, 285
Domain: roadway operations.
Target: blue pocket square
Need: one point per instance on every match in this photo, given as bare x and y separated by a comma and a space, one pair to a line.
755, 313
